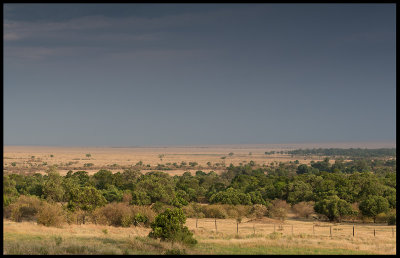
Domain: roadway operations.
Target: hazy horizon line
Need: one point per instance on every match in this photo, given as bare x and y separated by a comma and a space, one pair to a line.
207, 145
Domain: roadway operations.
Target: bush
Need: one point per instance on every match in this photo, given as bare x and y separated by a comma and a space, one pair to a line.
303, 209
51, 215
381, 218
169, 226
144, 215
25, 208
114, 214
214, 211
123, 215
391, 218
259, 211
279, 209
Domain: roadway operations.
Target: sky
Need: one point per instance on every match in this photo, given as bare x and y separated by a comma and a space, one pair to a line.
198, 74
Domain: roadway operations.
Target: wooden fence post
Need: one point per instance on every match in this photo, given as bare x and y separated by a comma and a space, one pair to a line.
215, 220
313, 232
374, 231
292, 230
196, 221
392, 232
330, 230
353, 230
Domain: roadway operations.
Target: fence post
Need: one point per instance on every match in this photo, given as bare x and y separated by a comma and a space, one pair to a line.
196, 221
330, 230
374, 231
215, 220
254, 228
292, 230
392, 232
353, 230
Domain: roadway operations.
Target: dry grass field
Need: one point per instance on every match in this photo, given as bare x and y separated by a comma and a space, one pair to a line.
39, 158
263, 236
255, 237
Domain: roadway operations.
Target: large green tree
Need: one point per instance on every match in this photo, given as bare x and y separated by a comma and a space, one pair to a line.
373, 205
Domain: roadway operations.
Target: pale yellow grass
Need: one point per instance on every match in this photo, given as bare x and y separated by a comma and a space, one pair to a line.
124, 156
256, 232
302, 236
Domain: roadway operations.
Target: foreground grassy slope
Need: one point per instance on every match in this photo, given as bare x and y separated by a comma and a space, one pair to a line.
30, 238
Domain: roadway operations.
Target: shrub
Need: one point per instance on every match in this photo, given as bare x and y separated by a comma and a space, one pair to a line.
175, 252
114, 214
391, 218
51, 215
274, 235
214, 211
381, 218
303, 209
25, 208
144, 215
169, 226
259, 211
123, 215
279, 209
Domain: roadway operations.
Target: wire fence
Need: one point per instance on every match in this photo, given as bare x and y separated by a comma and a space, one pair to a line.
292, 228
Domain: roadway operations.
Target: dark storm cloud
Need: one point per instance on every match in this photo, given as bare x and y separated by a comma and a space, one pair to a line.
183, 74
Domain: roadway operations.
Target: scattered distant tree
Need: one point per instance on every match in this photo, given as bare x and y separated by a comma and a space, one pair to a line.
88, 155
230, 154
193, 164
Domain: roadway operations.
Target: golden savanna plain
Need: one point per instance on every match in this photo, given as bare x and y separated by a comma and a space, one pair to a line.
252, 236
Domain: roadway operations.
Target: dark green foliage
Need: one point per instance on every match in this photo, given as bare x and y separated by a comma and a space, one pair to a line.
382, 152
102, 179
53, 189
112, 194
373, 205
10, 193
86, 198
351, 182
334, 208
169, 226
231, 196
